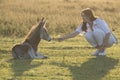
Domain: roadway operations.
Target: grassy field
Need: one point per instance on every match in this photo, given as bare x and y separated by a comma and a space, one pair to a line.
68, 60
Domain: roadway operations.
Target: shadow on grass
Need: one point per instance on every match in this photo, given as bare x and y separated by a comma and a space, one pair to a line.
20, 66
93, 69
68, 47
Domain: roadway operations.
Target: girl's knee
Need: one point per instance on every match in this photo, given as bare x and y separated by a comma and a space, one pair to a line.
98, 32
110, 43
88, 36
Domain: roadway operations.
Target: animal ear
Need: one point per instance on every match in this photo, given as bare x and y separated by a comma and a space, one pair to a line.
43, 22
42, 19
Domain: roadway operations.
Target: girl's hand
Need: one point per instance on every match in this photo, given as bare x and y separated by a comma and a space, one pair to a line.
60, 39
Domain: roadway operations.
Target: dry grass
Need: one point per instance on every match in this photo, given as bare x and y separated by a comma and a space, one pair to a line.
63, 16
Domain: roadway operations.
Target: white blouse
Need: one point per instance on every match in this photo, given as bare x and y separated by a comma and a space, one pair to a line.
98, 24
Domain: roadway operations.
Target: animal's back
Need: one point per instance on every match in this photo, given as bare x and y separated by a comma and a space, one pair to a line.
33, 37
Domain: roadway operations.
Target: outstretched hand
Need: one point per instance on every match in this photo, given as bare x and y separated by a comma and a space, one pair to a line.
59, 39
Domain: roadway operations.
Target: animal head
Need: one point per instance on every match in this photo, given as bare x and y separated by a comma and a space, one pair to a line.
43, 31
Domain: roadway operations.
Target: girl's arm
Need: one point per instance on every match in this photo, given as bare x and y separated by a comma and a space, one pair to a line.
71, 35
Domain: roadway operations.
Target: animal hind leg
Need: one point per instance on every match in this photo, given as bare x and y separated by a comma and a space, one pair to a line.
17, 52
14, 54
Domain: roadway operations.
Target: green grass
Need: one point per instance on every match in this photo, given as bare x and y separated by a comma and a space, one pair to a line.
68, 60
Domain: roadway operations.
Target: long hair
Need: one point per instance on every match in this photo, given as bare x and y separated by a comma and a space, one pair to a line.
88, 12
84, 27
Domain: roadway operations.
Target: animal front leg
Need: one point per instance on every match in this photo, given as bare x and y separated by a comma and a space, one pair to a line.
40, 55
34, 55
31, 52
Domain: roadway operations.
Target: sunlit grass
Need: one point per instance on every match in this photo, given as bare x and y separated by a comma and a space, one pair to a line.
68, 60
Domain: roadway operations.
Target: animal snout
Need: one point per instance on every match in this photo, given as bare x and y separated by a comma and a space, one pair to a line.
49, 39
